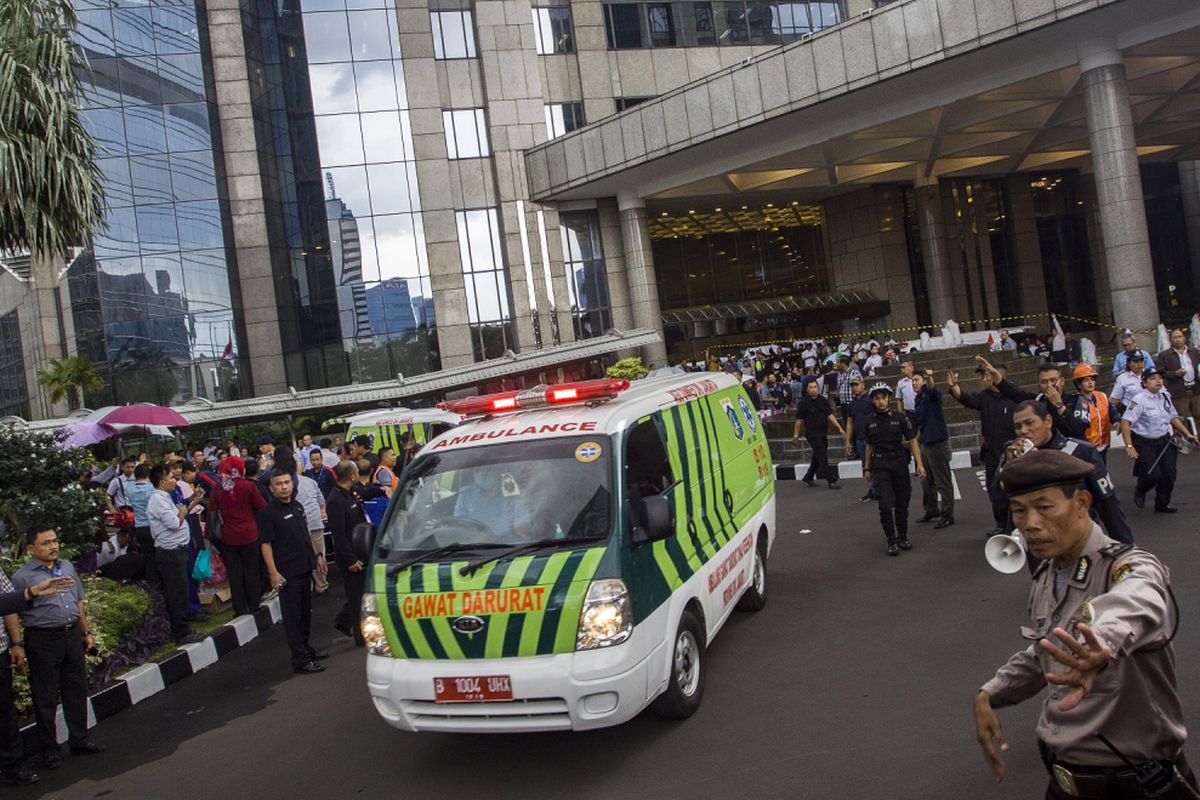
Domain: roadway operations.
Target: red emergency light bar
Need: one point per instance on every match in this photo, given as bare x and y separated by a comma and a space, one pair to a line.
537, 397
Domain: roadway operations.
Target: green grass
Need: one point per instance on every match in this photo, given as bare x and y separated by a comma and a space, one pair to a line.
207, 626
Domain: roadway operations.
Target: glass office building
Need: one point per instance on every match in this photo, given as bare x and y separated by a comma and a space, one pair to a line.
153, 298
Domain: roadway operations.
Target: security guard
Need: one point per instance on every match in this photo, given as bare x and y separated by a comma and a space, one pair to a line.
1091, 409
889, 433
1101, 623
1146, 428
1128, 384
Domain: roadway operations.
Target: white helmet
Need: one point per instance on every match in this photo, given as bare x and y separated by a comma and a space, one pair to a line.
880, 387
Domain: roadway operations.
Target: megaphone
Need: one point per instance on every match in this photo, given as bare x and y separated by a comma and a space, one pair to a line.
1006, 552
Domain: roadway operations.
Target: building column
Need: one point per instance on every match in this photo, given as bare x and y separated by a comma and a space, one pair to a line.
639, 272
258, 292
1118, 186
936, 257
1189, 185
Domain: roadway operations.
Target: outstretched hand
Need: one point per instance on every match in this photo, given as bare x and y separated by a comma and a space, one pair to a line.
1084, 660
990, 734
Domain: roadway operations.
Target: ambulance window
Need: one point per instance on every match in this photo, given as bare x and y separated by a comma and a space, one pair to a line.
647, 468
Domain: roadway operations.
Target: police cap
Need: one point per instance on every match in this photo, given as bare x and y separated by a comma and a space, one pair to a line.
1136, 355
1148, 371
1041, 469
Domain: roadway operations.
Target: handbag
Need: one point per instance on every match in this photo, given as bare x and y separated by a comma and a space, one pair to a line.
202, 569
213, 531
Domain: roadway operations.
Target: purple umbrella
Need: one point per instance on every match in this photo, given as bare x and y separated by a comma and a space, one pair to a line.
145, 414
83, 433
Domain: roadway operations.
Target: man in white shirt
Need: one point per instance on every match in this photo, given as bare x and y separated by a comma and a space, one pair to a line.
906, 393
171, 532
116, 497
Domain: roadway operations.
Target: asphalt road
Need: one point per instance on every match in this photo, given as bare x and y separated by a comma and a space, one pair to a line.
855, 682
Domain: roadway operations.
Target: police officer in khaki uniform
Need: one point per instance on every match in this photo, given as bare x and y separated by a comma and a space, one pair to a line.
1101, 623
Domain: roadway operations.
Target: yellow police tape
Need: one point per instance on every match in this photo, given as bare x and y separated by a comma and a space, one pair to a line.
919, 328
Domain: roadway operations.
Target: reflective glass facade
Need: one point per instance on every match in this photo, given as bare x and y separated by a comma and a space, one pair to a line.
345, 188
14, 395
152, 298
723, 23
486, 280
587, 279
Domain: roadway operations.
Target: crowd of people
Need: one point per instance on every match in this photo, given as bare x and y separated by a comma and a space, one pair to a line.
263, 512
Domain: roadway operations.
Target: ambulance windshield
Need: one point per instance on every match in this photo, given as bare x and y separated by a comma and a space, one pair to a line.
502, 494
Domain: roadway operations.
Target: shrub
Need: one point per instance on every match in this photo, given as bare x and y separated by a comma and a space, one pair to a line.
628, 368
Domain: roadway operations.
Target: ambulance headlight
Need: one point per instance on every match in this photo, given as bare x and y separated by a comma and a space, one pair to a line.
607, 616
372, 628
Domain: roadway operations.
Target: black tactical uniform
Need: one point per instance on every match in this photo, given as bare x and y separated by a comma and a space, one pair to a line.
888, 434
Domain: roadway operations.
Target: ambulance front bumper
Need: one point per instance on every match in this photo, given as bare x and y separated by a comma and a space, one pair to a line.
568, 691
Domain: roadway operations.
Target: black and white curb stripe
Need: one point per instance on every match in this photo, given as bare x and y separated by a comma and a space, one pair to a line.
149, 679
959, 459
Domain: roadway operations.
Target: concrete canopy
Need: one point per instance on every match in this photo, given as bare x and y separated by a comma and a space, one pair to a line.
915, 91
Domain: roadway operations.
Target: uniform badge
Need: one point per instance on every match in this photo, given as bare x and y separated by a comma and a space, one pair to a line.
1121, 571
1085, 615
1082, 568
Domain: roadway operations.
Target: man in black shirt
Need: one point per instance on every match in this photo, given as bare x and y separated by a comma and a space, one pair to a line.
1050, 381
345, 510
287, 551
889, 435
816, 415
995, 415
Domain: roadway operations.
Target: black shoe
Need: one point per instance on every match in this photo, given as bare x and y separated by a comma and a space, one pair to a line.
51, 760
927, 518
20, 776
944, 522
810, 484
1139, 499
320, 656
905, 544
866, 498
309, 668
1166, 509
893, 549
191, 638
835, 485
344, 630
88, 749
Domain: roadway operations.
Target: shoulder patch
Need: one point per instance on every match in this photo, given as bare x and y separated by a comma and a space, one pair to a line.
1121, 571
1116, 549
1133, 403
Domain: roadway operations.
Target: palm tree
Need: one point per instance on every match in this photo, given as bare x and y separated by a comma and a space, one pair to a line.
66, 377
51, 197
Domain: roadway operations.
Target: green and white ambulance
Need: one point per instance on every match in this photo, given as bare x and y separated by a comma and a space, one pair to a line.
562, 558
385, 427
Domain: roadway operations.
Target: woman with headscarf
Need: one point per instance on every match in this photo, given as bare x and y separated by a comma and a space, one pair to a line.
237, 500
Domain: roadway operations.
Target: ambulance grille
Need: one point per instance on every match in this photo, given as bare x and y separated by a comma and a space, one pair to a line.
542, 714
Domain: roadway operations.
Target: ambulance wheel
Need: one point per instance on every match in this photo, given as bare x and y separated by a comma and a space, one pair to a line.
755, 596
688, 669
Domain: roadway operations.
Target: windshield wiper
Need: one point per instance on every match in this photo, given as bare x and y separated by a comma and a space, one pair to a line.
395, 569
473, 567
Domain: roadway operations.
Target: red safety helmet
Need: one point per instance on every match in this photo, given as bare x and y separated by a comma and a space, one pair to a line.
1084, 371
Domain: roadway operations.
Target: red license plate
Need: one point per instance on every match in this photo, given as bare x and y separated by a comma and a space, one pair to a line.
474, 689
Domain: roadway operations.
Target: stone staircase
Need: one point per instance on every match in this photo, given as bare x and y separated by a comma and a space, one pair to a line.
962, 421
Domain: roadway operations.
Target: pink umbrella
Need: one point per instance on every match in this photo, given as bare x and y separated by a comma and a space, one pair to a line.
83, 433
145, 414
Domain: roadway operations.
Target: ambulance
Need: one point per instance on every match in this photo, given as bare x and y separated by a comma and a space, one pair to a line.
385, 427
562, 559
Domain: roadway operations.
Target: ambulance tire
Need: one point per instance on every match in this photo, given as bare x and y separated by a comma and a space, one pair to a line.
755, 596
689, 666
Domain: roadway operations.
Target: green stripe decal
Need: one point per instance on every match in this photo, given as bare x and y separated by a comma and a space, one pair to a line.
445, 638
406, 584
568, 622
678, 451
545, 571
666, 565
558, 599
717, 476
497, 623
704, 474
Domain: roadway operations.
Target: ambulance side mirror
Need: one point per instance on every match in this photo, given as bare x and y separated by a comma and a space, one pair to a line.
361, 540
660, 520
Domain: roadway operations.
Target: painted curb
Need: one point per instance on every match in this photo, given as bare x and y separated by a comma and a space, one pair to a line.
147, 680
959, 459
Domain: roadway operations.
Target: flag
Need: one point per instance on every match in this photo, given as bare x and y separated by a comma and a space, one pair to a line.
228, 354
991, 340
